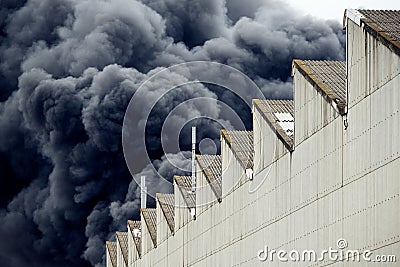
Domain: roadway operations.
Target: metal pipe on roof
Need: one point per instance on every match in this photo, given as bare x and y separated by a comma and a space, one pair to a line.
193, 158
143, 192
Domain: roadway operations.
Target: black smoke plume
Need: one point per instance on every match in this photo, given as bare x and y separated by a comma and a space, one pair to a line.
68, 70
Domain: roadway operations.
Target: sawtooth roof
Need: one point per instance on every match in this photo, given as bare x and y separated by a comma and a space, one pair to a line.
150, 218
269, 108
185, 186
211, 166
122, 238
132, 226
167, 204
328, 76
112, 251
241, 143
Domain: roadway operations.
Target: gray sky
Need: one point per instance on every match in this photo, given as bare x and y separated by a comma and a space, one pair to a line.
333, 9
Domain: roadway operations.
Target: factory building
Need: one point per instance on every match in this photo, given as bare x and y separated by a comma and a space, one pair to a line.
317, 172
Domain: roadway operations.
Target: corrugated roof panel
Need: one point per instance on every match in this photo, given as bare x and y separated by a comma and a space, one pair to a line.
330, 76
212, 167
112, 252
167, 203
150, 217
275, 106
122, 238
241, 143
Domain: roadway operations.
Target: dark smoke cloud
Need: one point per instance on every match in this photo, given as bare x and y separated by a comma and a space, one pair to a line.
68, 70
192, 22
101, 33
236, 9
26, 24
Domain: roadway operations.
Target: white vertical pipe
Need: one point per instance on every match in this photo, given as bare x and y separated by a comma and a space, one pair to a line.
193, 158
143, 192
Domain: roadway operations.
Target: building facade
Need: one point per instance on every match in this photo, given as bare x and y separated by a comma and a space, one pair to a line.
317, 172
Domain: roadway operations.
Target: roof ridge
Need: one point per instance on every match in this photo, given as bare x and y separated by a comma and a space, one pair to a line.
324, 60
377, 9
